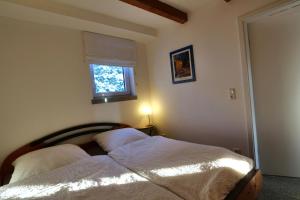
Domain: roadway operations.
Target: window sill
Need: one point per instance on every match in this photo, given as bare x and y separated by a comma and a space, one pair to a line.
110, 99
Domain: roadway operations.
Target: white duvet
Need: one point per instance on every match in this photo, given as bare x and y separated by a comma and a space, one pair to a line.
93, 178
192, 171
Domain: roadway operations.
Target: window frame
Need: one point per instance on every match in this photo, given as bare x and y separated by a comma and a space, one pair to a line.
129, 84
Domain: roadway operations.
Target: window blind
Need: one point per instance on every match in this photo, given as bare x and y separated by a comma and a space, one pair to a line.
109, 50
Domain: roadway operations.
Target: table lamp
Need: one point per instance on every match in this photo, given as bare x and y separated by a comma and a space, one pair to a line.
147, 111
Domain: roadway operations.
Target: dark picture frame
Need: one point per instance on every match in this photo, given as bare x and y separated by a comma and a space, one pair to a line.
182, 65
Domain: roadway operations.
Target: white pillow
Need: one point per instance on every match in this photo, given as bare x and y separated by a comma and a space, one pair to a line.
111, 140
46, 159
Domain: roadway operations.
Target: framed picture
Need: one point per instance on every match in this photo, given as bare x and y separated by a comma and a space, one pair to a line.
182, 65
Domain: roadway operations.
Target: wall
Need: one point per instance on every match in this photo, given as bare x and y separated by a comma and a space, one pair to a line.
201, 111
275, 47
45, 86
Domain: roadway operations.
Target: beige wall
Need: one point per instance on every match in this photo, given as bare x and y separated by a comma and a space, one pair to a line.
201, 111
45, 86
275, 47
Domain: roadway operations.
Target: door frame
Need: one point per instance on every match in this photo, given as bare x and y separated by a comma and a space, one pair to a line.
244, 22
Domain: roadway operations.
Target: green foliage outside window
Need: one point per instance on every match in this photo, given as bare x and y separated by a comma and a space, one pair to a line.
108, 78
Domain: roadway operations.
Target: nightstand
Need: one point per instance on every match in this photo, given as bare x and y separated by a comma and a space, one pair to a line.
149, 130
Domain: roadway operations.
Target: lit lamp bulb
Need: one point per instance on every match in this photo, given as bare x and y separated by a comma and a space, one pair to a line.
147, 111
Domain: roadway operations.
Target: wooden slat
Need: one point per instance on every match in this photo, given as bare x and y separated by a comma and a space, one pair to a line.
160, 8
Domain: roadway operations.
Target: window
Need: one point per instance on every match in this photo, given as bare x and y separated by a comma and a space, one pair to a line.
111, 61
112, 83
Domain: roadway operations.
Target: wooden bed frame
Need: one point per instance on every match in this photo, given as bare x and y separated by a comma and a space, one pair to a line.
246, 189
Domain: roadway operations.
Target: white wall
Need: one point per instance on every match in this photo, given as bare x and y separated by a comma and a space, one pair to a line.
45, 85
275, 47
201, 111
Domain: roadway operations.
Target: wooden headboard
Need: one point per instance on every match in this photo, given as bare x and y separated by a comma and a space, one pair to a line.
54, 139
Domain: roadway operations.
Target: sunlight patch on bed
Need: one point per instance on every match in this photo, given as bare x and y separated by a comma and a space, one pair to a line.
177, 171
123, 179
239, 166
38, 191
23, 192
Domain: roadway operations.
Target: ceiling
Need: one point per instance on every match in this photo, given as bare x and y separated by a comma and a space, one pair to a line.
110, 17
121, 10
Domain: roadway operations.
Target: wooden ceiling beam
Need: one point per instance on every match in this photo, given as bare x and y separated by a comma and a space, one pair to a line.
160, 8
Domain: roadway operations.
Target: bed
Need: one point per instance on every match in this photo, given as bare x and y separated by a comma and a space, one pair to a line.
143, 174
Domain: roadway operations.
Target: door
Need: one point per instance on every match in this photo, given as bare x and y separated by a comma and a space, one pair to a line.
275, 58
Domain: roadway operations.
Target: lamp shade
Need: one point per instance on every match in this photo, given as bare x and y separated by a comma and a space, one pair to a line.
147, 110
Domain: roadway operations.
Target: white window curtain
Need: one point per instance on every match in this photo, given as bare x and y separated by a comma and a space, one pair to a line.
108, 50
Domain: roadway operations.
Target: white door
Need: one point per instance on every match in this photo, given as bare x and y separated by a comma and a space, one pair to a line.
275, 58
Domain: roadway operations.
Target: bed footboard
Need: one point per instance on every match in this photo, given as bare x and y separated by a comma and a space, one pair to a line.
253, 188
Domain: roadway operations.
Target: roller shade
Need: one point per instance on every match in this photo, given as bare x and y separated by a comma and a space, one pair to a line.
108, 50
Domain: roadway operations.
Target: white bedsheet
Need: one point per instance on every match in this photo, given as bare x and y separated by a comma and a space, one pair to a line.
93, 178
192, 171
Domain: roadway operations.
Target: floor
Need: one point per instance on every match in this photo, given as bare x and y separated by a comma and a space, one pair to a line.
280, 188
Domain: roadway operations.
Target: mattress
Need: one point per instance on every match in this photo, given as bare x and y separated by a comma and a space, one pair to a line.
98, 177
191, 171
